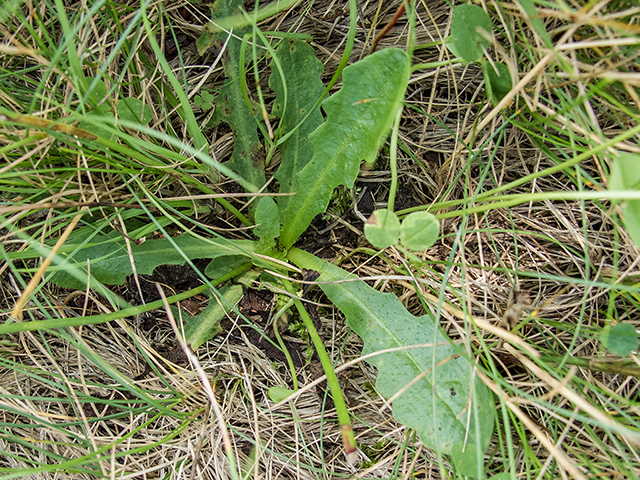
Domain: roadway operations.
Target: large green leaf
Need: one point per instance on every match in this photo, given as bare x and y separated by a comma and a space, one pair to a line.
438, 405
302, 71
110, 262
231, 107
359, 118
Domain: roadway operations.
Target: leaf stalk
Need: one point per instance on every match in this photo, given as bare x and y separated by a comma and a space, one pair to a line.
348, 439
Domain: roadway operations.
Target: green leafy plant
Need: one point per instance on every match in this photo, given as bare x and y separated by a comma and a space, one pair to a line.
231, 107
418, 230
438, 382
111, 263
359, 118
204, 100
108, 174
620, 339
471, 31
430, 382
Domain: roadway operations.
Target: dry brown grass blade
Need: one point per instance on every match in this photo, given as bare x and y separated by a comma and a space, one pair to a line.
37, 122
206, 385
563, 460
576, 399
33, 283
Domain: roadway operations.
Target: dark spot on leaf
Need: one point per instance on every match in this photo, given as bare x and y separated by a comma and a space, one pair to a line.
228, 111
453, 392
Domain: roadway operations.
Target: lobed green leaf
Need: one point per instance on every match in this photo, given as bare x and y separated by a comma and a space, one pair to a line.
110, 262
359, 118
232, 109
438, 404
302, 71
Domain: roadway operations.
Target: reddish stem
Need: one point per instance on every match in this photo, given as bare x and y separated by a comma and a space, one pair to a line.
389, 26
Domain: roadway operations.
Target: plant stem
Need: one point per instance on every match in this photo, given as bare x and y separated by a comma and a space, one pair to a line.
617, 366
393, 158
348, 439
444, 63
351, 36
508, 201
276, 332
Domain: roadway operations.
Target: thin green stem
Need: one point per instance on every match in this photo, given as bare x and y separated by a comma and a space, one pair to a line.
508, 201
127, 312
276, 332
597, 364
393, 158
444, 63
20, 143
348, 439
351, 36
199, 140
256, 76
